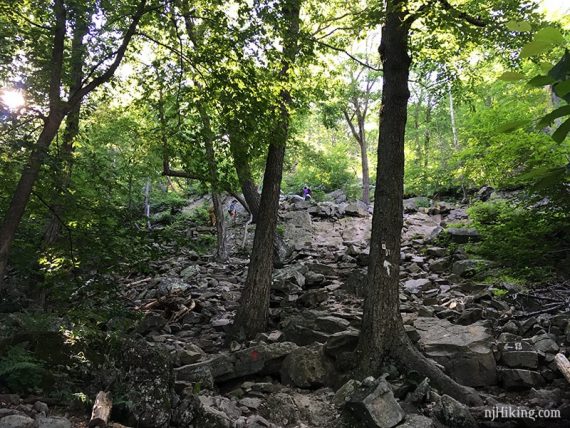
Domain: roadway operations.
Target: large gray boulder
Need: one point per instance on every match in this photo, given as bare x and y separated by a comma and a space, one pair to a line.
518, 355
298, 229
376, 406
147, 382
465, 351
263, 359
16, 421
338, 196
520, 378
356, 209
453, 414
311, 326
290, 279
307, 367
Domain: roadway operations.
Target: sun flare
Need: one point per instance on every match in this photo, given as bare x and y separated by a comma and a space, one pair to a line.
12, 98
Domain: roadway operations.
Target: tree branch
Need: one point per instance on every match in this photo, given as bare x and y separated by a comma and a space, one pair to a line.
462, 15
107, 74
348, 54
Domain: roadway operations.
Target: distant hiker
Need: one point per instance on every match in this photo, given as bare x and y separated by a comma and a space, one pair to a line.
306, 193
212, 215
232, 210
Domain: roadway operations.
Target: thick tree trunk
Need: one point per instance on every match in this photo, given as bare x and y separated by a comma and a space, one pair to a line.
252, 314
252, 196
24, 188
65, 163
383, 335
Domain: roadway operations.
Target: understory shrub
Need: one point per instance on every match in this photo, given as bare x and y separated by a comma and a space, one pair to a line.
530, 239
20, 370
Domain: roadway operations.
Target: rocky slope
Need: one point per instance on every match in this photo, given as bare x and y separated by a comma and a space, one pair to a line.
298, 373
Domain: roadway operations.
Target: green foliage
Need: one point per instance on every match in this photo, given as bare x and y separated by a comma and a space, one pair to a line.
20, 370
200, 215
530, 240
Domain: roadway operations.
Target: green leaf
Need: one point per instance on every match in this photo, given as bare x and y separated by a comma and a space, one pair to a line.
550, 35
520, 26
539, 81
562, 89
561, 133
562, 68
545, 67
512, 126
510, 76
550, 117
536, 47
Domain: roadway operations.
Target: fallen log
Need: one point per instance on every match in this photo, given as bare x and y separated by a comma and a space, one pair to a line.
563, 365
101, 410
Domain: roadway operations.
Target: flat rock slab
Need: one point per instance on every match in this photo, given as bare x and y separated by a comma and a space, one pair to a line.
298, 229
420, 225
465, 351
520, 378
519, 355
260, 359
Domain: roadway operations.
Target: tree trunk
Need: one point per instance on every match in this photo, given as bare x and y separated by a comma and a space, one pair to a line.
360, 136
147, 203
252, 314
383, 335
245, 177
452, 118
252, 197
65, 163
221, 247
365, 173
427, 141
24, 188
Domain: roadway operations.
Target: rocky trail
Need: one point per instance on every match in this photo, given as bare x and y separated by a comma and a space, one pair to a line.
297, 374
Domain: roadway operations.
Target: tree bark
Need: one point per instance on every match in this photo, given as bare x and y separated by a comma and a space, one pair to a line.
252, 314
245, 177
101, 412
52, 123
65, 163
383, 336
252, 197
221, 247
427, 140
365, 172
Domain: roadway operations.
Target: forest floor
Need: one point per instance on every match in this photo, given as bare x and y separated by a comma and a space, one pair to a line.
499, 340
